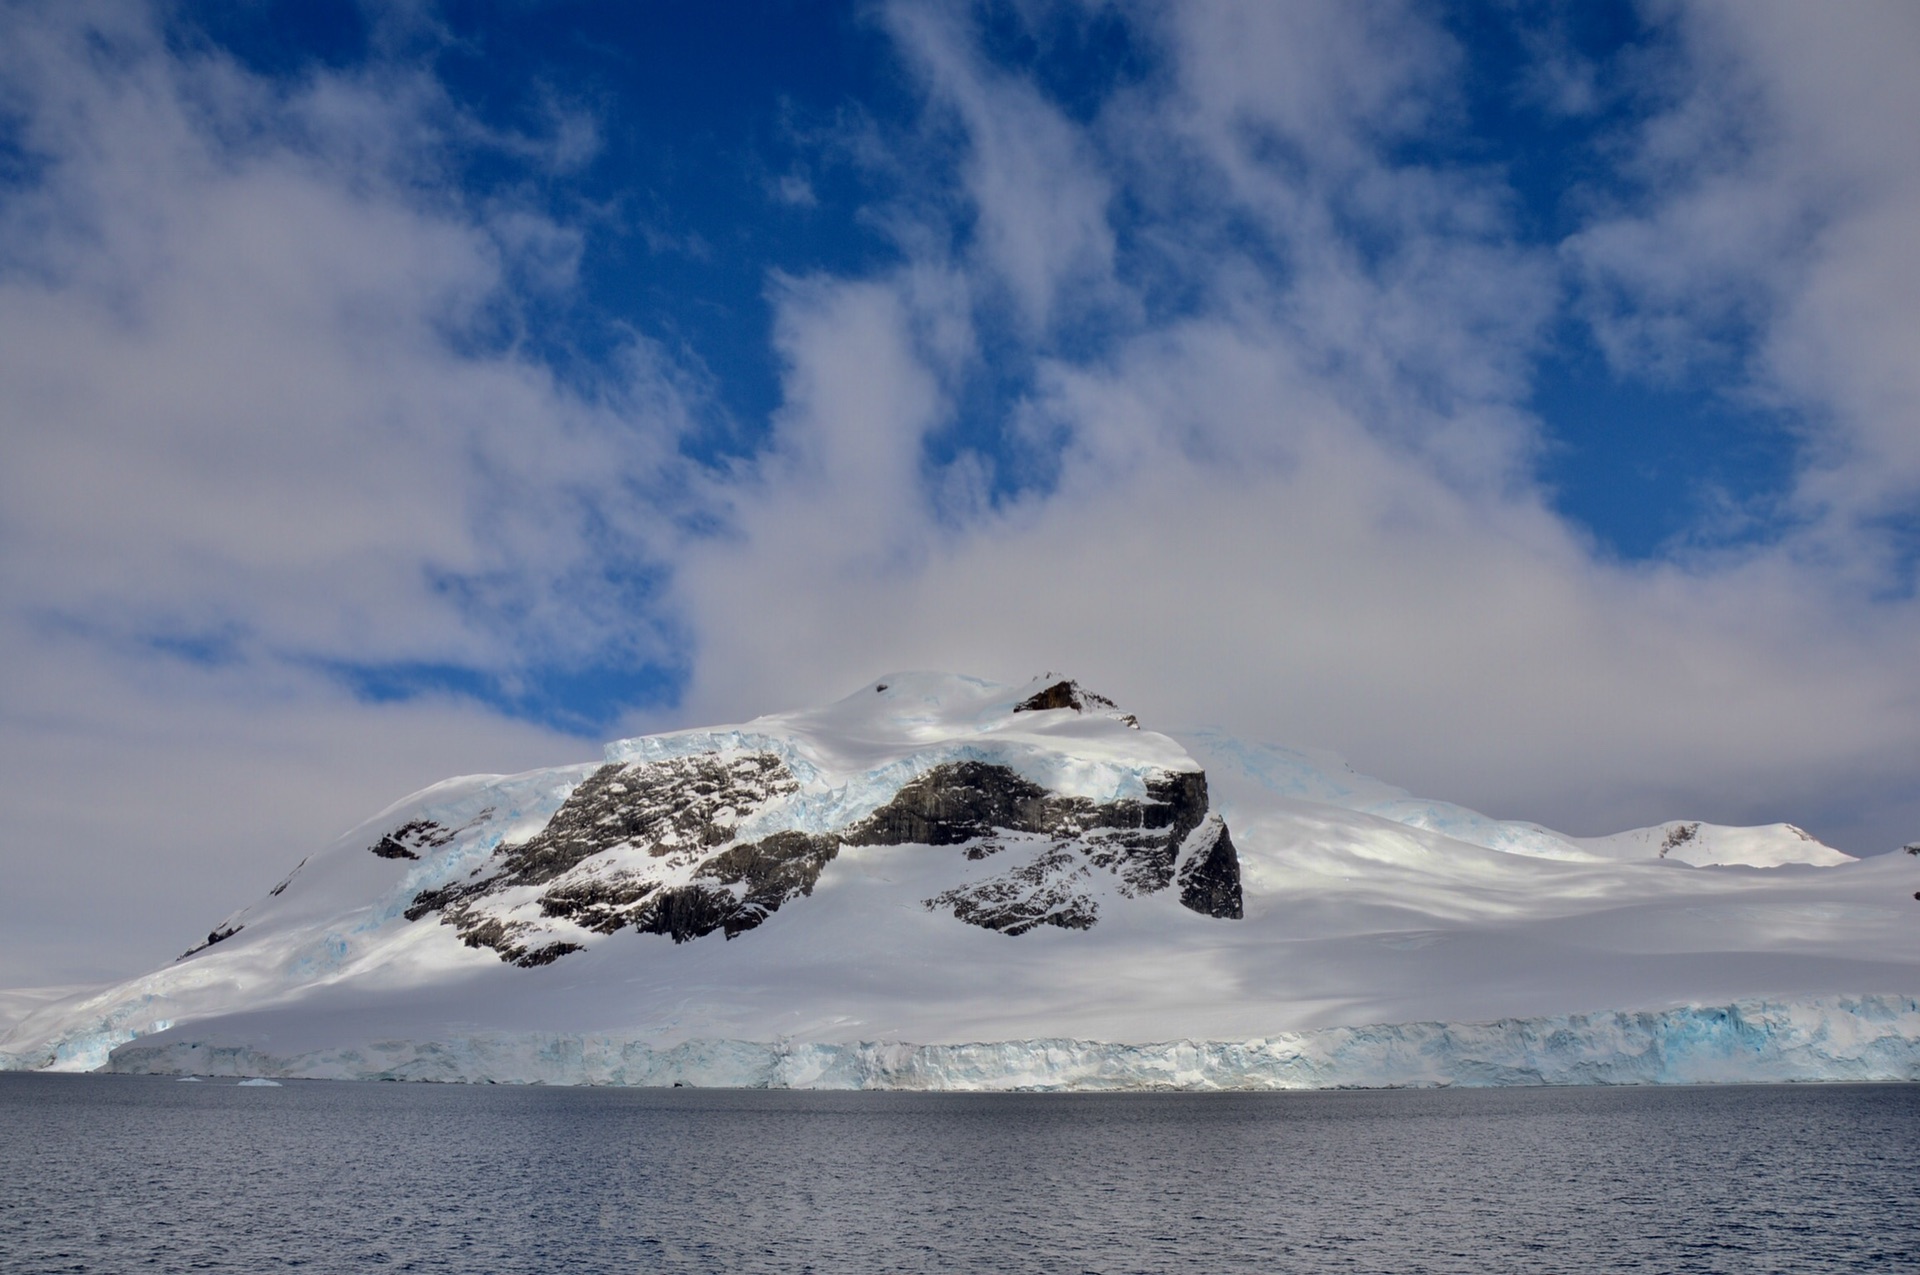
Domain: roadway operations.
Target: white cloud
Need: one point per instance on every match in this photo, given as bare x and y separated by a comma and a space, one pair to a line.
1399, 278
143, 799
260, 395
1783, 185
1333, 590
242, 390
1301, 507
1029, 173
259, 384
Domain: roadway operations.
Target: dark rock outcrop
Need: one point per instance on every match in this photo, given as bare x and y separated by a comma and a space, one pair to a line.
686, 912
773, 870
957, 803
286, 881
973, 803
1210, 879
1062, 694
1678, 837
1046, 890
678, 811
963, 801
601, 903
619, 852
219, 934
504, 938
409, 839
682, 913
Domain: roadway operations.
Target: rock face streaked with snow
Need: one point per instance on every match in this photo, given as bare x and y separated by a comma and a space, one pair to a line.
703, 833
860, 894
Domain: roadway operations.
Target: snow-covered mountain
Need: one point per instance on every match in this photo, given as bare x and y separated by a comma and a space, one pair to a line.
948, 882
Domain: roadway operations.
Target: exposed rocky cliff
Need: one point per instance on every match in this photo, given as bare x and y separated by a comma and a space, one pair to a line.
656, 846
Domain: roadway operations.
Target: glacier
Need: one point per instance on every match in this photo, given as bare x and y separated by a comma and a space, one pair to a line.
861, 894
1869, 1038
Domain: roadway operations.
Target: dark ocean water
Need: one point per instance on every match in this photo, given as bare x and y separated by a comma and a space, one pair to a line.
122, 1174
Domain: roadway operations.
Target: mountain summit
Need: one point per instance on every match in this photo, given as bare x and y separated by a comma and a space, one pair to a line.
937, 861
1049, 803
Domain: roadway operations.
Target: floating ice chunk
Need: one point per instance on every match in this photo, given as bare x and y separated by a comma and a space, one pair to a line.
258, 1082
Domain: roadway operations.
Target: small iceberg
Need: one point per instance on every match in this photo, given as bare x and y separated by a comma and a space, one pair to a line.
259, 1083
187, 1079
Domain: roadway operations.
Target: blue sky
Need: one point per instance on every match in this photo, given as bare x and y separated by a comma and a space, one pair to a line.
720, 144
1518, 397
732, 145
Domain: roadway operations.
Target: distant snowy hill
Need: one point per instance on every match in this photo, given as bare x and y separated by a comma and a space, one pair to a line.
1713, 845
945, 882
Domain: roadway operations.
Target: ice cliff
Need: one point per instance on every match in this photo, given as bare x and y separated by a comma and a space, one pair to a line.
1836, 1038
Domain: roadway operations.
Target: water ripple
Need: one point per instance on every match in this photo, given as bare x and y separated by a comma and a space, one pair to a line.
114, 1174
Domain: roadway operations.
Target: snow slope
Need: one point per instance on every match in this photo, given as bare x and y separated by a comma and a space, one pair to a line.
926, 865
